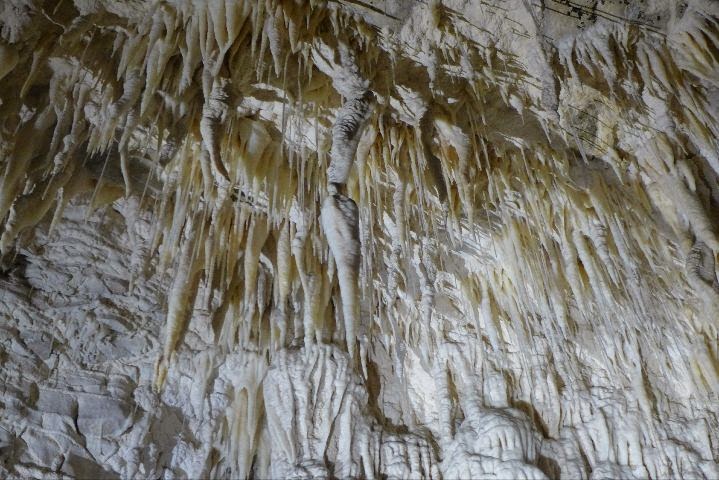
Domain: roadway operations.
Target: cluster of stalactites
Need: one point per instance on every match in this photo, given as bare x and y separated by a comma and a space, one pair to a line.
453, 216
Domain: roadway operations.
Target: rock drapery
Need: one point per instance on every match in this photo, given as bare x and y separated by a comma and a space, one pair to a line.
382, 239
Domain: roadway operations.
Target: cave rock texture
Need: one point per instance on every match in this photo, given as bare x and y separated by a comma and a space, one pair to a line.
359, 239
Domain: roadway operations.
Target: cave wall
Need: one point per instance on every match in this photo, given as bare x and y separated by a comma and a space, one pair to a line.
382, 239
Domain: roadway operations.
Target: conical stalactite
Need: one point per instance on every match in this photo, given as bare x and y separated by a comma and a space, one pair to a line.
340, 217
259, 239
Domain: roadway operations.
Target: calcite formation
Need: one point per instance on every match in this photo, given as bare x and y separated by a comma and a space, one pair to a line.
359, 239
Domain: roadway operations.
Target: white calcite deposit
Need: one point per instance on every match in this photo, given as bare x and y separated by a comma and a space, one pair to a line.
359, 239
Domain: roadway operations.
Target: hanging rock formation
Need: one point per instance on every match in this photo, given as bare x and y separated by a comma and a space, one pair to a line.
397, 239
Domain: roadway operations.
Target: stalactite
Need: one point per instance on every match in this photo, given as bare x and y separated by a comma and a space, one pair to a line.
340, 216
415, 241
213, 111
340, 220
346, 133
